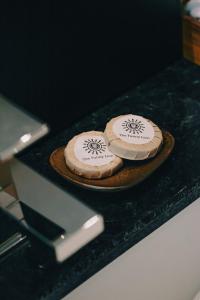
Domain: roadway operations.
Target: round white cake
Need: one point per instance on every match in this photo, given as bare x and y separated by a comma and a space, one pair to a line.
87, 155
133, 137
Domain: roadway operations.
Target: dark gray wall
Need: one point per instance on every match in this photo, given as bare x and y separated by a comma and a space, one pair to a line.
82, 54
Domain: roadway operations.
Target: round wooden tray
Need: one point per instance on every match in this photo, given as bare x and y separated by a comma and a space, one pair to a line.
131, 173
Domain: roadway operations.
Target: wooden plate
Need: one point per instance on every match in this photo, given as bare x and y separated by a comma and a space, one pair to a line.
131, 173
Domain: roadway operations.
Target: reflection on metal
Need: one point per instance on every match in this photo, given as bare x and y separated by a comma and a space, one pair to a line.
17, 129
90, 222
25, 138
54, 215
11, 242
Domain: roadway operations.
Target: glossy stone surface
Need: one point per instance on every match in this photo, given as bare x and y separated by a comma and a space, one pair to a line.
171, 100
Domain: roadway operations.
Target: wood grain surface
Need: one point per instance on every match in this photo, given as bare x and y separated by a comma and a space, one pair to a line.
191, 38
131, 174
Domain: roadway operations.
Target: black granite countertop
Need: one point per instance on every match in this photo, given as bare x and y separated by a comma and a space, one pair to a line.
171, 100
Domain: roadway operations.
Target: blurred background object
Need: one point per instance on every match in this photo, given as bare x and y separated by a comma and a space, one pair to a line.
191, 30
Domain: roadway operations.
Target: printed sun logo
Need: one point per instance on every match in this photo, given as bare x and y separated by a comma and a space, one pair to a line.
133, 126
94, 146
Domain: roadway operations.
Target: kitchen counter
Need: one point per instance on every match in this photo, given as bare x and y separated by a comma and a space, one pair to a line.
171, 100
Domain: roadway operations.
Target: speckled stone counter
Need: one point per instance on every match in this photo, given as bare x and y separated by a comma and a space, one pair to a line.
171, 99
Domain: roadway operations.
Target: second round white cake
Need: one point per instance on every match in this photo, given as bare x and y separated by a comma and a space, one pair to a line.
133, 137
87, 155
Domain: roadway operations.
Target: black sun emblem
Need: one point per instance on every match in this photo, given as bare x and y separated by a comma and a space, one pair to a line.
94, 146
133, 126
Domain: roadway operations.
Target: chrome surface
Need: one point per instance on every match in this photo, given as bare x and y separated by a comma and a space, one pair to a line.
42, 201
17, 129
11, 242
